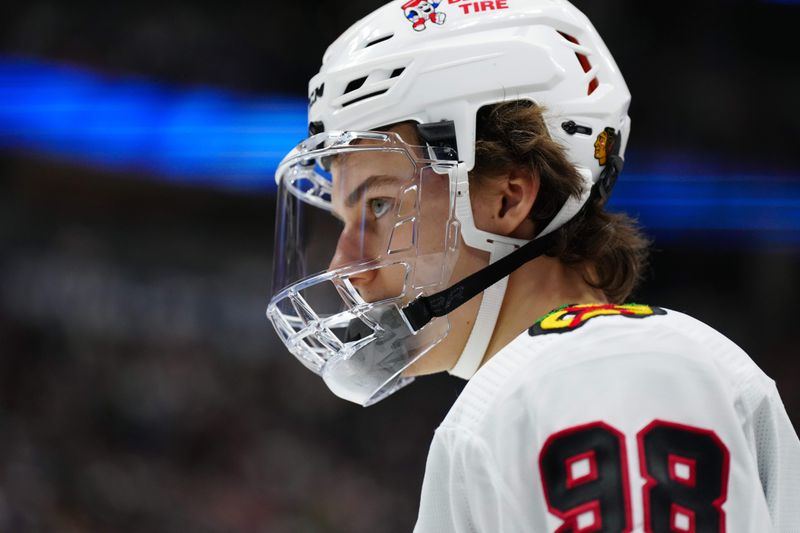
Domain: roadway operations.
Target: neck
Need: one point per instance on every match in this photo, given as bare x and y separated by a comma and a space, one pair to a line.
533, 290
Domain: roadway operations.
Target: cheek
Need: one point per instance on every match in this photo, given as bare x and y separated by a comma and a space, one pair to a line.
432, 230
388, 282
402, 237
483, 212
469, 261
393, 280
434, 214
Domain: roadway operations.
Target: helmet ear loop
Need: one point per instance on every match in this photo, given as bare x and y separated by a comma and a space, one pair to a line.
608, 178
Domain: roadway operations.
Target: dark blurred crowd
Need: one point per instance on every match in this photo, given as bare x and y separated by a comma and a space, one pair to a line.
141, 388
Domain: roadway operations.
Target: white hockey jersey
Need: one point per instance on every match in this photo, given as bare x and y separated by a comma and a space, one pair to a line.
615, 419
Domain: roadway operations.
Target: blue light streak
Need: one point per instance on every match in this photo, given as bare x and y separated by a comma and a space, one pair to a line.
218, 138
759, 209
194, 135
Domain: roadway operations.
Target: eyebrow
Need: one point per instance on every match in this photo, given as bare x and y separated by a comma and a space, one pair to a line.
370, 182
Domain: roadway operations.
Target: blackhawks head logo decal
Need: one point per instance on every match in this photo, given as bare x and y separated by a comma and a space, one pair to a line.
571, 317
605, 145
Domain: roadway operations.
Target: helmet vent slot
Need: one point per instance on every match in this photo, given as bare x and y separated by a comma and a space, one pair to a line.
583, 60
379, 40
364, 97
354, 85
396, 72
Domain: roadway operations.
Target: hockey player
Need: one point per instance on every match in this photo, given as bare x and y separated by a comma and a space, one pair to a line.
467, 168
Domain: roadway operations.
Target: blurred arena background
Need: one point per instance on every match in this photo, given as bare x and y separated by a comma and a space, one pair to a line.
141, 389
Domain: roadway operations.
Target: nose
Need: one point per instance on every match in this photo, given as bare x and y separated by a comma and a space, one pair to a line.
350, 250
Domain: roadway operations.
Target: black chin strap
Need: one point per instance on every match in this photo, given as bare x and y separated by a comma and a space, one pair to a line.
426, 308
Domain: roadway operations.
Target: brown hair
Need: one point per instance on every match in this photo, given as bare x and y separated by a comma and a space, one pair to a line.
609, 248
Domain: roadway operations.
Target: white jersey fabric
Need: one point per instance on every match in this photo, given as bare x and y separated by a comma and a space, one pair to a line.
605, 426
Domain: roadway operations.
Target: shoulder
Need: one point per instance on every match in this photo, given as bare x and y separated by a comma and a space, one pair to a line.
595, 348
614, 391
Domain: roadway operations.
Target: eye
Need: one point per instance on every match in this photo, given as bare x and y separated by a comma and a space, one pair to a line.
380, 206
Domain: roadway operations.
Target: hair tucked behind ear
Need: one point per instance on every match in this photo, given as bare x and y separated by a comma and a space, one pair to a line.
609, 248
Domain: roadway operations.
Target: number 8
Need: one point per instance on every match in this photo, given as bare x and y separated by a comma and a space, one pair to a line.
686, 469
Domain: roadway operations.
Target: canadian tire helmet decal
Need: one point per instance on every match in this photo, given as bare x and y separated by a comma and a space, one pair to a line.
421, 12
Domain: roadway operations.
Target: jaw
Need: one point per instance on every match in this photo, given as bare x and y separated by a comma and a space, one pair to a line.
444, 355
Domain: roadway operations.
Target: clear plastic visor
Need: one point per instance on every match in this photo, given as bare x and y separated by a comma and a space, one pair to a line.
364, 224
349, 200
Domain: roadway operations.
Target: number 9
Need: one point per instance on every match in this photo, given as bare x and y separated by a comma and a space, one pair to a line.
585, 478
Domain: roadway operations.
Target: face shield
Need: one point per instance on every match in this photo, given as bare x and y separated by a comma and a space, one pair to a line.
365, 224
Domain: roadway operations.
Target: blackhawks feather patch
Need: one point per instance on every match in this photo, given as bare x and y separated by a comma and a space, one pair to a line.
571, 317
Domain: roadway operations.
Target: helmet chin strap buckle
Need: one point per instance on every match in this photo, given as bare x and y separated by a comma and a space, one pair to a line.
486, 320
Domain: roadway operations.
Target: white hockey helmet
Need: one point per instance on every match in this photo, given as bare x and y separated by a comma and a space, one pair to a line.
381, 72
437, 72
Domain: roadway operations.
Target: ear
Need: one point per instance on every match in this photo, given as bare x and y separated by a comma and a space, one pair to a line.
504, 203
